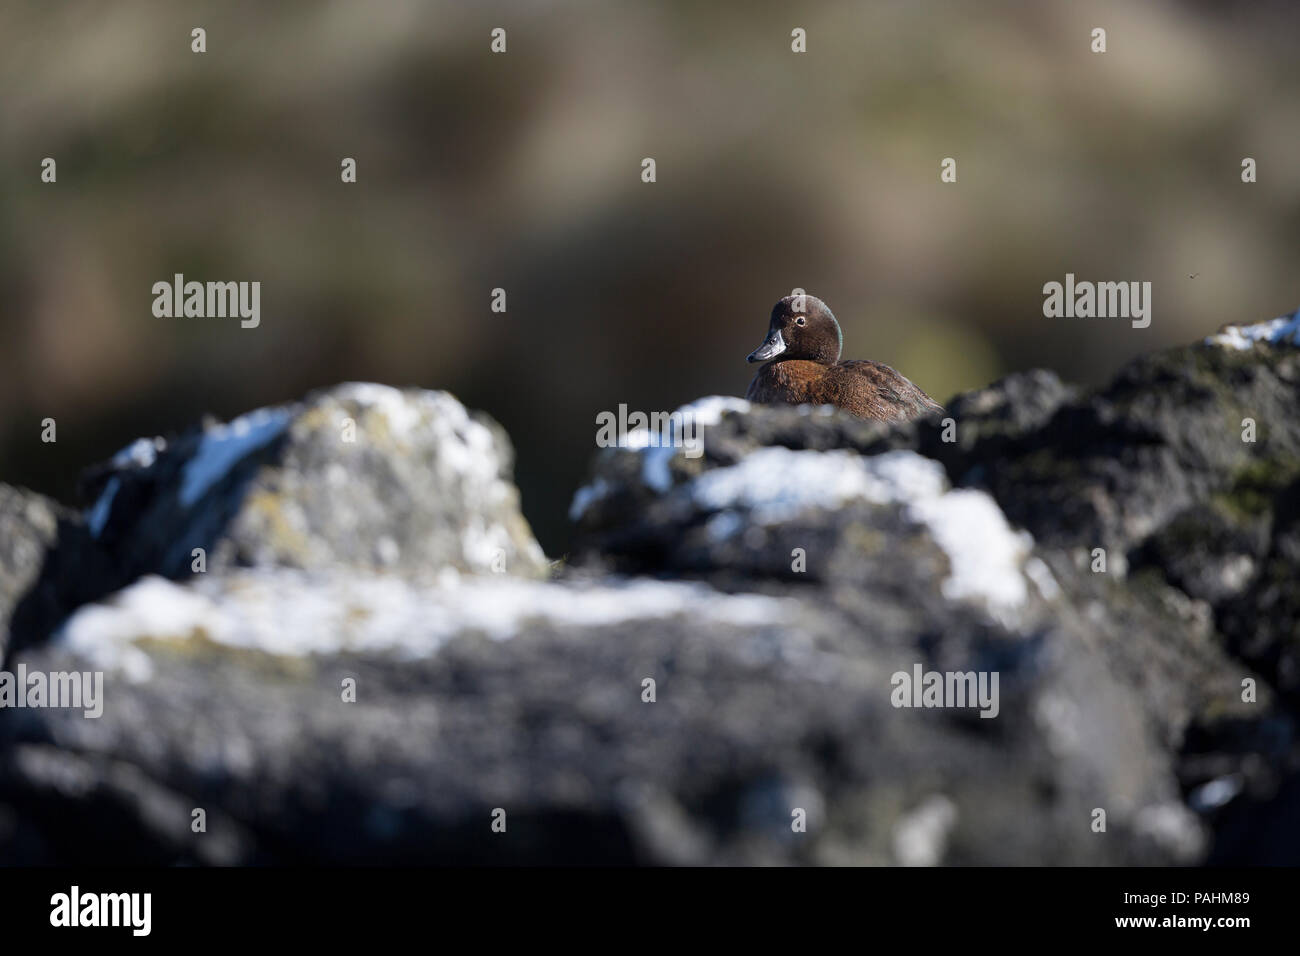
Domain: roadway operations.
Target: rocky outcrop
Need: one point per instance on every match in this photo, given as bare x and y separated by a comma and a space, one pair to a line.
360, 476
374, 666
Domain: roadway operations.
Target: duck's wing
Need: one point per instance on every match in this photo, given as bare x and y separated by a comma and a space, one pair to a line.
758, 390
892, 396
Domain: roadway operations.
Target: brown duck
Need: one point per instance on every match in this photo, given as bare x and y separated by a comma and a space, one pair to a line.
802, 351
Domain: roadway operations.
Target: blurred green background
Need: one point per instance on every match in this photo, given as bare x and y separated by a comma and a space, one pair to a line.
522, 170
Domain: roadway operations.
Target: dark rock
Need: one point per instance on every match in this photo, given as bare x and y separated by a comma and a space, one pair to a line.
49, 564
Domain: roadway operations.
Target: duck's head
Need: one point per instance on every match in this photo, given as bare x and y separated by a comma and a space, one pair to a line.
802, 327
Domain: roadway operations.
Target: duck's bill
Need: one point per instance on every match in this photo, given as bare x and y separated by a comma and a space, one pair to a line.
773, 347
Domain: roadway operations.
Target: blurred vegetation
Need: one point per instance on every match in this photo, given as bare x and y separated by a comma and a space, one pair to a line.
522, 171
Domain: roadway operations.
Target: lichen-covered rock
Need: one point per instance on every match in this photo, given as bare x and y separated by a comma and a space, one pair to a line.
489, 692
358, 476
713, 678
1165, 506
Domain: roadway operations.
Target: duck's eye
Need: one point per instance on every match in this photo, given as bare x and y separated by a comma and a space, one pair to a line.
800, 320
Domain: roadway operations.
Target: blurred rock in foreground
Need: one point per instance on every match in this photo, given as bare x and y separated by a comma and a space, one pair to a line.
711, 677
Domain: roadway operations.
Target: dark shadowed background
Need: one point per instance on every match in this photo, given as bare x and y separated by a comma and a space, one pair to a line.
522, 171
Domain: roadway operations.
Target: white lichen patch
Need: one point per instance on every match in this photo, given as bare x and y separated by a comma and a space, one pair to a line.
986, 555
467, 449
657, 452
710, 409
1173, 827
921, 836
153, 607
293, 613
468, 463
1280, 331
482, 542
402, 415
775, 484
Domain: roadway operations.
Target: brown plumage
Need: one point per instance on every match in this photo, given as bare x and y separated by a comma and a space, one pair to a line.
802, 351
